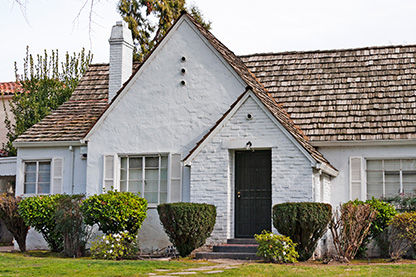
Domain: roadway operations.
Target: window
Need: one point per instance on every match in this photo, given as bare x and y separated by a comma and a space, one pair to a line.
147, 175
390, 177
37, 177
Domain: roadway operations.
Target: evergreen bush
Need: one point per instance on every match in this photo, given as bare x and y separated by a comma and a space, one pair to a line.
304, 222
38, 212
9, 213
187, 225
403, 234
115, 212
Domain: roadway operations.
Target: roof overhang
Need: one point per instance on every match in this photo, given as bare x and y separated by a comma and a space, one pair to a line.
348, 143
25, 144
326, 169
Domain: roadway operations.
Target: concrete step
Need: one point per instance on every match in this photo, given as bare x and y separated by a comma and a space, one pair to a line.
241, 241
236, 248
227, 255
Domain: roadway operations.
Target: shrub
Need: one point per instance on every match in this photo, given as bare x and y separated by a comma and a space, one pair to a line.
115, 247
385, 214
115, 212
38, 212
187, 225
275, 248
305, 223
69, 222
403, 203
9, 213
349, 226
403, 234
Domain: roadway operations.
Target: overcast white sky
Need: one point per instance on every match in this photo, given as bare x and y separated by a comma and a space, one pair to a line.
244, 26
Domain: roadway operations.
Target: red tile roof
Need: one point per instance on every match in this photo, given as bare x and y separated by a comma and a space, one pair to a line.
9, 88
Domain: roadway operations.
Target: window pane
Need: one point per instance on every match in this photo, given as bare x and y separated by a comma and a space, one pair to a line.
374, 184
152, 174
408, 164
152, 162
123, 186
374, 165
45, 166
151, 197
30, 188
30, 178
163, 186
135, 174
135, 187
30, 167
123, 174
124, 163
44, 177
409, 182
44, 188
135, 162
164, 162
392, 183
151, 186
391, 165
164, 174
163, 197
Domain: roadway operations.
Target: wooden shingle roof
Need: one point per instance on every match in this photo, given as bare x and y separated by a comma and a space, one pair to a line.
72, 120
344, 95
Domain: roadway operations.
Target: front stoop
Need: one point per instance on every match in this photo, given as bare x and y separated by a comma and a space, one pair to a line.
237, 249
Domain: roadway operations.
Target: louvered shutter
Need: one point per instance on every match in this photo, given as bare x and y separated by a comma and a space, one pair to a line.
57, 174
108, 172
175, 178
357, 187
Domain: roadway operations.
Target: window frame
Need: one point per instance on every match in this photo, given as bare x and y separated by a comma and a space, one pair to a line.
25, 162
143, 179
400, 172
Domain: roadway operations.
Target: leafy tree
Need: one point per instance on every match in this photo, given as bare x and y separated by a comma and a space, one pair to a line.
45, 85
140, 15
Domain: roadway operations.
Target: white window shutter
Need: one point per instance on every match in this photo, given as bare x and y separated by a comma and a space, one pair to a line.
57, 174
175, 178
357, 185
108, 172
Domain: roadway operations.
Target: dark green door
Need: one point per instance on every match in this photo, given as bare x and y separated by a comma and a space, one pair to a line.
253, 201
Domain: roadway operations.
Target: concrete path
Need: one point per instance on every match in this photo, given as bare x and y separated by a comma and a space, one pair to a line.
6, 248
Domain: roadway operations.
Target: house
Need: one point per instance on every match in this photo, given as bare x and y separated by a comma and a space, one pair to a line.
194, 122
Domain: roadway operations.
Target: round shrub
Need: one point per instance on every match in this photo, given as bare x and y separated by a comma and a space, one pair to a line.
275, 248
38, 212
115, 212
403, 234
9, 213
304, 222
187, 225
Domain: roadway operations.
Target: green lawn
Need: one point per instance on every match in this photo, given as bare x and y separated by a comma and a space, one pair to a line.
44, 264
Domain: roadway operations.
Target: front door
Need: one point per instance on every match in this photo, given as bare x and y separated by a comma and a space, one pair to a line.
253, 203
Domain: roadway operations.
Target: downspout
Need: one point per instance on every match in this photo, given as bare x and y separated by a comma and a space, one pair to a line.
72, 168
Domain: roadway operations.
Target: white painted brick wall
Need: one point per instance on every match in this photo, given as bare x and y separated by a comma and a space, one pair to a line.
212, 171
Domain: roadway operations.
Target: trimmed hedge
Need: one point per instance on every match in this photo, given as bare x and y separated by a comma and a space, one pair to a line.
304, 222
187, 225
115, 212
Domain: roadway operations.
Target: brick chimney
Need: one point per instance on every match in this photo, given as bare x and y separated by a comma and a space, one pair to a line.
121, 57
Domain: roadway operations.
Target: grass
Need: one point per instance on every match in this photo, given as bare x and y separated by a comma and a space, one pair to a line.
39, 263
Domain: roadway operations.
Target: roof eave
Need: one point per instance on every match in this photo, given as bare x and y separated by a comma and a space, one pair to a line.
65, 143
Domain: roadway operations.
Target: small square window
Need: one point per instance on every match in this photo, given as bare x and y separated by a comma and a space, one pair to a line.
37, 177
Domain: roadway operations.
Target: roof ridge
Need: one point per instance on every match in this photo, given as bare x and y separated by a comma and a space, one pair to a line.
328, 50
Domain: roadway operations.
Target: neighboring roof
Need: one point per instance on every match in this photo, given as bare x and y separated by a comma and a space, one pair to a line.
72, 120
344, 95
9, 88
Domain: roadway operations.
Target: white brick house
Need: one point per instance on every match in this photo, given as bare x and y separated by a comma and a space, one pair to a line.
194, 122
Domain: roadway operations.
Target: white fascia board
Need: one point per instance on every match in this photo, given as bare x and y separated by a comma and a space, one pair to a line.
326, 169
8, 160
30, 144
284, 131
402, 142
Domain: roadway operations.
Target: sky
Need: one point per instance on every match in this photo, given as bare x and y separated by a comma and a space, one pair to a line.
244, 26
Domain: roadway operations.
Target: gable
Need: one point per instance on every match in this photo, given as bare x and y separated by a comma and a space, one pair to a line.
258, 132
